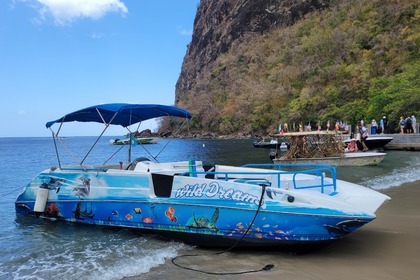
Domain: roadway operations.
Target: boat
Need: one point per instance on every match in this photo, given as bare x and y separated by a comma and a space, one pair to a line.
138, 140
118, 141
147, 140
253, 205
373, 142
324, 147
272, 144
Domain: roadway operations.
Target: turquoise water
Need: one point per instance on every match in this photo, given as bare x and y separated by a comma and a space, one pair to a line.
38, 249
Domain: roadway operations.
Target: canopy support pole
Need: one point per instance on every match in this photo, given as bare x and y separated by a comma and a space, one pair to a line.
99, 137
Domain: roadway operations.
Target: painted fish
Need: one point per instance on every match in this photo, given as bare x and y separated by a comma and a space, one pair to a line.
170, 213
52, 210
128, 216
147, 220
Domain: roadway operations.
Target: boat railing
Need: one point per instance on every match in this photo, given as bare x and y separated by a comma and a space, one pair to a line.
319, 170
265, 177
99, 168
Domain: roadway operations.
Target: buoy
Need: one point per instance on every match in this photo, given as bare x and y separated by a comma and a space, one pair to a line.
283, 146
41, 199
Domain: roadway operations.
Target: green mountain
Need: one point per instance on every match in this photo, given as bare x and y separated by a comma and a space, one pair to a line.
252, 65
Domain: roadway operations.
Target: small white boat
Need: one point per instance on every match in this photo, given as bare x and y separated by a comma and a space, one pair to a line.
272, 144
139, 140
221, 206
118, 141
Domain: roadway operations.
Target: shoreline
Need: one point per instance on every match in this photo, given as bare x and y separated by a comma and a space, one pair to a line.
386, 248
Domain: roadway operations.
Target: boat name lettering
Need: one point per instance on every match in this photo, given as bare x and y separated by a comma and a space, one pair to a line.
191, 191
214, 189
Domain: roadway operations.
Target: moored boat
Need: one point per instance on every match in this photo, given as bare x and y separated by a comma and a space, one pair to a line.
138, 140
147, 140
374, 142
251, 205
271, 144
324, 147
118, 141
346, 159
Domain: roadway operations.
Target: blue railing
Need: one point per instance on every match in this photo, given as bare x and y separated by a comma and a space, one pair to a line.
318, 170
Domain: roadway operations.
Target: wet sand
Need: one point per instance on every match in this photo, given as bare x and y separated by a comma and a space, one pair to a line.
387, 248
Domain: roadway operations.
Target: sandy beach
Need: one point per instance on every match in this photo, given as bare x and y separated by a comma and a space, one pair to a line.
387, 248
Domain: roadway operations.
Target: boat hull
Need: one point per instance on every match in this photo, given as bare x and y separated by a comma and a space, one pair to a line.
266, 145
374, 142
271, 145
217, 210
348, 159
143, 141
193, 222
149, 140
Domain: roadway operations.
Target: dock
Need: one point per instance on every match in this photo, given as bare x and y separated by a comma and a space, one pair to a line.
410, 142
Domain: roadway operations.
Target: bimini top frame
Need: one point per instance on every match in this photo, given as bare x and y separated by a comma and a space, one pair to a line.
122, 114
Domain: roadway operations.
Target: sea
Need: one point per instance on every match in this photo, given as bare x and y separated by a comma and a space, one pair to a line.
34, 248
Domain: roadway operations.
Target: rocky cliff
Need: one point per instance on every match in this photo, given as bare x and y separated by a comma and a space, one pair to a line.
219, 24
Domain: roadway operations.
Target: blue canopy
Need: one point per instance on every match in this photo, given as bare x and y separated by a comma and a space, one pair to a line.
121, 114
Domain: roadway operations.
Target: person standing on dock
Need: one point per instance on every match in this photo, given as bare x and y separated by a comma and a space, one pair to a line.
408, 125
402, 124
381, 126
374, 127
384, 124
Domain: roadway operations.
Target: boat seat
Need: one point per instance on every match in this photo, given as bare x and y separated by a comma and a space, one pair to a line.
132, 165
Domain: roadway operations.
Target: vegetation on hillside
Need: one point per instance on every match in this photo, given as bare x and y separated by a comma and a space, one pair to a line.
356, 60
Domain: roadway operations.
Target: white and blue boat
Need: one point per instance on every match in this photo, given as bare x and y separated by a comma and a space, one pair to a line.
251, 205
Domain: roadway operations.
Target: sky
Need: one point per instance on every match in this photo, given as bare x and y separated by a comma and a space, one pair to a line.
59, 56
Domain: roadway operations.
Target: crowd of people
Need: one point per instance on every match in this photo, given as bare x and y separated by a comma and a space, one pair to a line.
381, 128
406, 124
339, 126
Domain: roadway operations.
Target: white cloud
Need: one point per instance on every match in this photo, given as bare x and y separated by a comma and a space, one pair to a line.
96, 35
184, 32
64, 12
